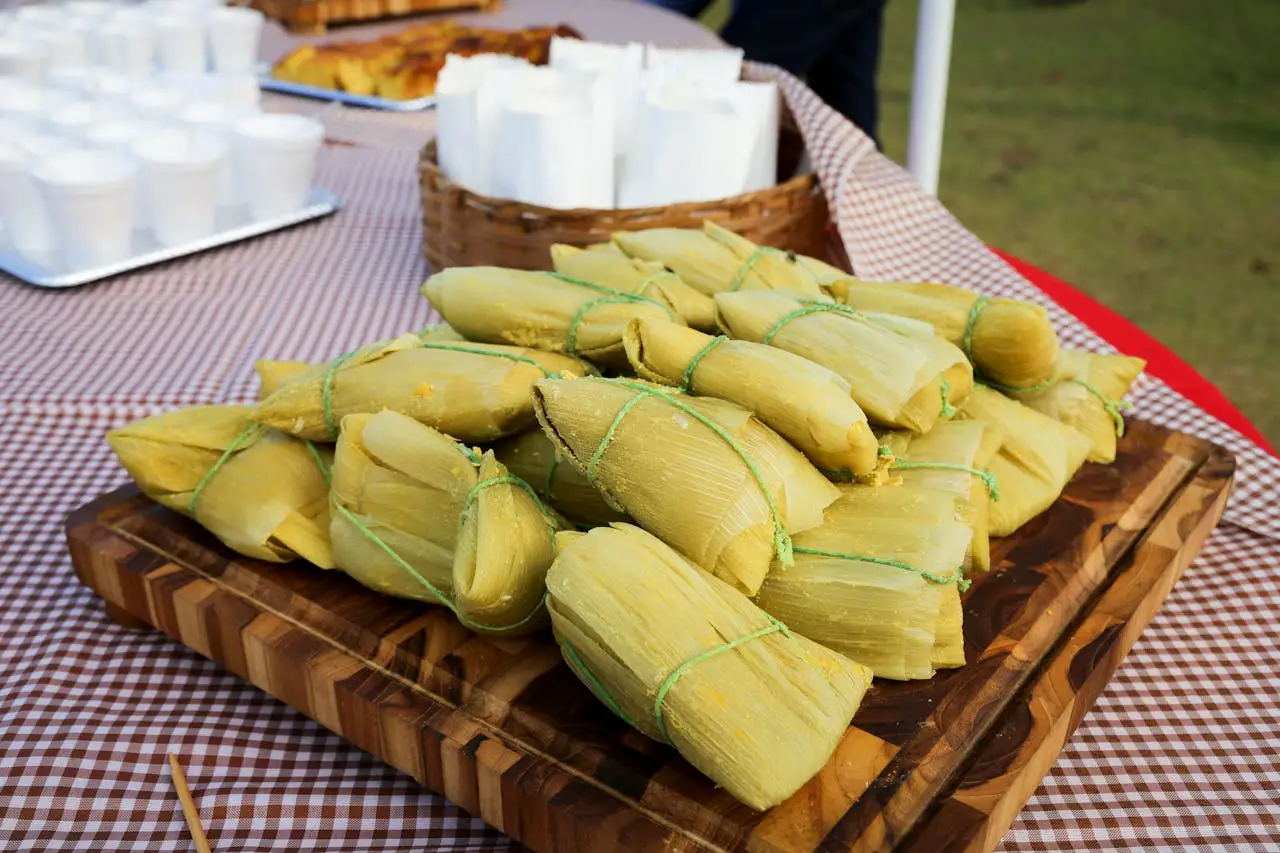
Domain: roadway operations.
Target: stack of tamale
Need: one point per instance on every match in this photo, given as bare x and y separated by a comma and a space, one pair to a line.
834, 459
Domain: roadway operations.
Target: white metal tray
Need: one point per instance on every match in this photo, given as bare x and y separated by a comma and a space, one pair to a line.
266, 81
233, 226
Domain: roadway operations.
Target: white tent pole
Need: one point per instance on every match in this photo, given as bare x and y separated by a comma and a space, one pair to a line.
929, 92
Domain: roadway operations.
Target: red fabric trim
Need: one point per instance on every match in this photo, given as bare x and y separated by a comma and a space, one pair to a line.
1162, 362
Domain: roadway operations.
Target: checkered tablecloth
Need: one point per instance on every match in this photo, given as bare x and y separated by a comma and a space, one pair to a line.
1182, 751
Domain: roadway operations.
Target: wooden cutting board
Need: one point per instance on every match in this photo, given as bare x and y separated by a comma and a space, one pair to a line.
502, 728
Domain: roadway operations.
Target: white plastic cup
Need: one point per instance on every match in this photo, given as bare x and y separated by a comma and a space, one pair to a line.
90, 9
40, 15
217, 120
70, 121
275, 159
65, 47
21, 58
128, 48
89, 196
120, 136
180, 172
234, 35
180, 43
22, 210
157, 103
22, 99
78, 80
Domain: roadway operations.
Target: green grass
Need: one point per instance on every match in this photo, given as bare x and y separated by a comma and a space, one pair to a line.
1130, 147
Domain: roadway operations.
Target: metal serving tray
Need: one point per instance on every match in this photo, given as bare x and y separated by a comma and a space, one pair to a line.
233, 226
267, 82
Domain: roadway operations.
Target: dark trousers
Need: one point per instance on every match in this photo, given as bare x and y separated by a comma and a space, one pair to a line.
835, 44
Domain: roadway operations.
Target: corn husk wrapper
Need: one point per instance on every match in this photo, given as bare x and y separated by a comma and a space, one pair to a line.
402, 488
268, 499
1038, 457
539, 310
898, 622
804, 402
440, 332
712, 259
643, 278
532, 457
1013, 342
274, 375
760, 719
471, 396
964, 443
822, 272
678, 478
1087, 393
899, 376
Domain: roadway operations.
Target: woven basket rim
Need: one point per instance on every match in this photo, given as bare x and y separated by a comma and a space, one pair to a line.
427, 160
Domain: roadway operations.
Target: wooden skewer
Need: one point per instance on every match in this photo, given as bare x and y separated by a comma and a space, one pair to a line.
188, 806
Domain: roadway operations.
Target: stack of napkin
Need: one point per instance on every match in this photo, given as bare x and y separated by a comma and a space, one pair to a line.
607, 126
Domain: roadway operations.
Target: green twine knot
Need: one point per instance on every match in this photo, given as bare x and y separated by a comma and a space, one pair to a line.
1111, 407
947, 409
610, 296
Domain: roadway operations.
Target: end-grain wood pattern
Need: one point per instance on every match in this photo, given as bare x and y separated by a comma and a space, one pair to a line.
315, 16
502, 729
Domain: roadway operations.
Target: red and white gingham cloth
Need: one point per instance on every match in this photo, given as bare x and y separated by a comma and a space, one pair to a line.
1182, 751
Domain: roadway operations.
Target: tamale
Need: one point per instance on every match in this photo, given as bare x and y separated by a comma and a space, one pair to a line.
1088, 393
643, 278
899, 380
715, 260
545, 311
418, 515
274, 375
474, 392
1037, 457
262, 493
1009, 342
703, 474
953, 457
804, 402
686, 659
879, 581
532, 457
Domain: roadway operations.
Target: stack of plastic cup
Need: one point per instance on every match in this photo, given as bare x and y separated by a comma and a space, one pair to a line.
275, 157
234, 34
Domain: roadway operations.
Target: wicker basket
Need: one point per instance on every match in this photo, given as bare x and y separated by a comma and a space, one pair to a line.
461, 228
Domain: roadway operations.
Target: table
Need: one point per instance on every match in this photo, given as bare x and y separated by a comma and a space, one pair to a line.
1182, 750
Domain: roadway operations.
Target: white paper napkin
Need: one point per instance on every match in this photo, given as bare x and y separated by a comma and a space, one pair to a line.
466, 117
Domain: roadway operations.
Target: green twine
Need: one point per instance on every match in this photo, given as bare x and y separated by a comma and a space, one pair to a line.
475, 350
781, 539
974, 311
955, 578
947, 409
687, 382
658, 700
1111, 407
988, 478
611, 295
471, 498
809, 308
658, 276
579, 666
324, 469
743, 271
326, 391
217, 466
